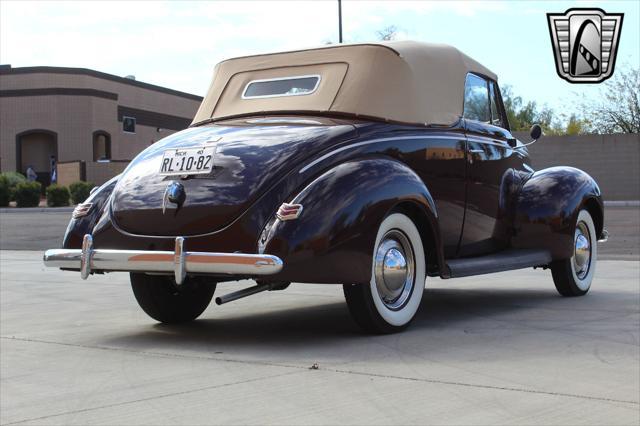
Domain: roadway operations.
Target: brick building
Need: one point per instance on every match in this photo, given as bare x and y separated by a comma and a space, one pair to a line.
94, 120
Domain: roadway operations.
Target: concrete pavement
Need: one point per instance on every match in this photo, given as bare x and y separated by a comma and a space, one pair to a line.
497, 349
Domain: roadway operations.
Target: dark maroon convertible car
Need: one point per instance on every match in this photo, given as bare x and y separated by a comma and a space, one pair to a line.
369, 165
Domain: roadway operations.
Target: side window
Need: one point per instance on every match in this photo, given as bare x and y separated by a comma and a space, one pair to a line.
496, 116
476, 99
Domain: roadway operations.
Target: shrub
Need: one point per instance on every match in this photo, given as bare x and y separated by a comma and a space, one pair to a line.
27, 194
13, 179
57, 196
80, 191
5, 191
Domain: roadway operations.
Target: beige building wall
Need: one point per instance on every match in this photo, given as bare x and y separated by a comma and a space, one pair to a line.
70, 105
129, 95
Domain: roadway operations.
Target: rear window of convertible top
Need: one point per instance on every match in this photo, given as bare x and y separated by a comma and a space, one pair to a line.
286, 86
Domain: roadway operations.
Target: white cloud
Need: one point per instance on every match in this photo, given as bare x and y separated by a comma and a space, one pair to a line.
169, 43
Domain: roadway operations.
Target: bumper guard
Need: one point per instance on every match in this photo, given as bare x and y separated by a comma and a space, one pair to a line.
178, 261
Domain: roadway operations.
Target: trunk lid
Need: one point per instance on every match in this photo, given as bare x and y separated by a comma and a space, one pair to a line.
250, 156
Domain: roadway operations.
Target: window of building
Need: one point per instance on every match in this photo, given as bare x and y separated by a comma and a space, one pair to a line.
128, 124
287, 86
101, 146
476, 99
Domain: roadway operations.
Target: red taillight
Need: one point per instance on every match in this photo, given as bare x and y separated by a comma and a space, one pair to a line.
82, 210
289, 211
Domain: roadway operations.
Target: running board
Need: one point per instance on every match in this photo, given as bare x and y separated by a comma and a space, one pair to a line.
506, 260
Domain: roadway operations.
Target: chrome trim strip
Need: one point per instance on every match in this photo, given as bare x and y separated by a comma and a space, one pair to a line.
179, 262
264, 80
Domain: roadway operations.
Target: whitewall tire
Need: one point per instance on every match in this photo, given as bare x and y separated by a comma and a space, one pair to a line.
392, 297
573, 276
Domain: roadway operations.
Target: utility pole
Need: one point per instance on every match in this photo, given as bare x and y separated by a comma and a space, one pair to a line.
339, 21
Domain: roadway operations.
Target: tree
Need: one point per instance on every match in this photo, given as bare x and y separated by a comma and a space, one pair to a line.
617, 109
387, 33
576, 126
522, 116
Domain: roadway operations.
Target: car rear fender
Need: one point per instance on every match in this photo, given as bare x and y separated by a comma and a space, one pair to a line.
547, 208
332, 240
80, 226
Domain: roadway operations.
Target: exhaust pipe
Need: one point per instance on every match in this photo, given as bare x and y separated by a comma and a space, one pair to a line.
259, 288
241, 293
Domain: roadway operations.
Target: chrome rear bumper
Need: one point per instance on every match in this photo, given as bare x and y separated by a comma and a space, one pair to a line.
178, 261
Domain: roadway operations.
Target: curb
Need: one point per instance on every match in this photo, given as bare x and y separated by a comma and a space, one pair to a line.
36, 209
628, 203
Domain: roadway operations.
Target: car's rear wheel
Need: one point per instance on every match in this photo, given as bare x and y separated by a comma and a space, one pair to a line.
391, 299
164, 301
573, 276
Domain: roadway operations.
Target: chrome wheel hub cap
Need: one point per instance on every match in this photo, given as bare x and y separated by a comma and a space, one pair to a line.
394, 269
582, 251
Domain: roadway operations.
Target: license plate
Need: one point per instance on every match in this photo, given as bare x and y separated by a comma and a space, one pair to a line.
187, 161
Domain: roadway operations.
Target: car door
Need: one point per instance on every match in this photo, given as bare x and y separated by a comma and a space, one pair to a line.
490, 165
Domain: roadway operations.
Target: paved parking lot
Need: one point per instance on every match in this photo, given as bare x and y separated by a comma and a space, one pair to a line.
499, 349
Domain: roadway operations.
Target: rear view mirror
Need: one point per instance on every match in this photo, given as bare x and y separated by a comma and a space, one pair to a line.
536, 132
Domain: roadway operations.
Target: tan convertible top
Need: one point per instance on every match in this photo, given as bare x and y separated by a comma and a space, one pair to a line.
400, 81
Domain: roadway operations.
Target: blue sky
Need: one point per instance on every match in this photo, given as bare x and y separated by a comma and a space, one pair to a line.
176, 44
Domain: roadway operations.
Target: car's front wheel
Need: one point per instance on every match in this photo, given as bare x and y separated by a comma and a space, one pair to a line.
164, 301
391, 299
573, 276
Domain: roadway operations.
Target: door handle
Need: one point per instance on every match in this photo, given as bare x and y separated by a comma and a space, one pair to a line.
476, 151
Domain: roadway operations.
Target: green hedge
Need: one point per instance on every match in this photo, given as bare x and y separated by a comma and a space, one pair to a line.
12, 180
80, 191
5, 191
27, 194
57, 196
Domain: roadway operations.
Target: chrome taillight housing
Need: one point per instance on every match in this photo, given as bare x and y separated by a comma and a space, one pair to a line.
82, 210
289, 211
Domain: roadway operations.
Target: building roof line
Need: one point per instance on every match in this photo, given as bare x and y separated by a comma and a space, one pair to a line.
58, 91
8, 70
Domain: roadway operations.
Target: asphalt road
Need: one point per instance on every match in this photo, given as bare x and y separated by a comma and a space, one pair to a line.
20, 230
499, 349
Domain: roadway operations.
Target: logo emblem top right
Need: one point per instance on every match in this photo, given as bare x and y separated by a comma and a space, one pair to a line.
585, 43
